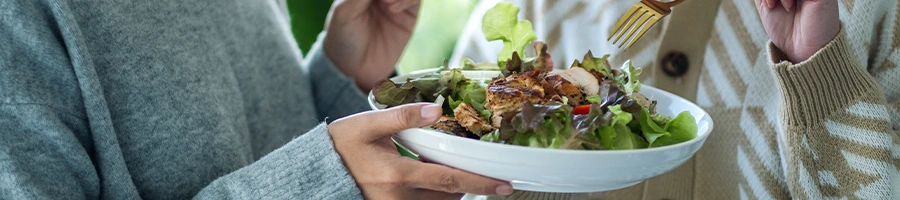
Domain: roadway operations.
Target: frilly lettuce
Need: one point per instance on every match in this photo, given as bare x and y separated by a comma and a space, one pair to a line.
591, 63
450, 86
542, 61
630, 78
502, 23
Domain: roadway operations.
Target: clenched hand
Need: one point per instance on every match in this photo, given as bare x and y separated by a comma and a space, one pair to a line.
363, 142
366, 37
800, 27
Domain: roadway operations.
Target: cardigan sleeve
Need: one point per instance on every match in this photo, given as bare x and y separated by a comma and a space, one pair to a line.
838, 136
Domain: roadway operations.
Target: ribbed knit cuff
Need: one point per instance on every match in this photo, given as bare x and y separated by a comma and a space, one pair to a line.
826, 82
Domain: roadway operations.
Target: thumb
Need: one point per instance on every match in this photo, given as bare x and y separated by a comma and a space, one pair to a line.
375, 125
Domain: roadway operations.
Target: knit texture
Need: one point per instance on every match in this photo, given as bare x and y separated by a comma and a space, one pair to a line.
833, 99
165, 99
822, 129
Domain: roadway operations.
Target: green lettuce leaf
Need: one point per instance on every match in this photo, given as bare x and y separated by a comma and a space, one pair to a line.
625, 139
607, 135
474, 95
650, 129
542, 61
539, 125
494, 136
451, 81
388, 93
630, 78
681, 128
594, 98
427, 87
469, 64
621, 117
609, 94
591, 63
660, 119
617, 135
502, 23
647, 124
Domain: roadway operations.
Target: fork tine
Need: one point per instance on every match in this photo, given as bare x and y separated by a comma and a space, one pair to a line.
634, 27
625, 18
652, 21
623, 33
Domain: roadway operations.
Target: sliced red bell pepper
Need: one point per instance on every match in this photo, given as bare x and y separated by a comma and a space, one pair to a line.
582, 110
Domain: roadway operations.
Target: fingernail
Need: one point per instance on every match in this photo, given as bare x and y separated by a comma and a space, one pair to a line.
770, 4
504, 190
431, 112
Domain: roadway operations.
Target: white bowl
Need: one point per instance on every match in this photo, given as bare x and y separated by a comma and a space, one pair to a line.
556, 170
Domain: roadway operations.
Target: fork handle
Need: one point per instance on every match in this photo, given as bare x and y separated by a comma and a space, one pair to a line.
662, 6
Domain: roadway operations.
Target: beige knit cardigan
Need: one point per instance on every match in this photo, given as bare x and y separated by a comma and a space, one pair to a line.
826, 128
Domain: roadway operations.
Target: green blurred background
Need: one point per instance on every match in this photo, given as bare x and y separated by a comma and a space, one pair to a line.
439, 25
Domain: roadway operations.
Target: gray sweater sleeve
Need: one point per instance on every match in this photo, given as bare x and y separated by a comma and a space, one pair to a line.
49, 149
287, 173
43, 157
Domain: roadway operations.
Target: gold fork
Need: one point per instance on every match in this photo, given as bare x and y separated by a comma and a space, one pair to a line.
639, 19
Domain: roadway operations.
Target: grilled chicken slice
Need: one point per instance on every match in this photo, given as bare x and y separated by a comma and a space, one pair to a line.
469, 118
565, 88
451, 126
583, 79
508, 94
576, 84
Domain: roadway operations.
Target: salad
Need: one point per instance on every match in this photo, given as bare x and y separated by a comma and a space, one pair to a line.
590, 106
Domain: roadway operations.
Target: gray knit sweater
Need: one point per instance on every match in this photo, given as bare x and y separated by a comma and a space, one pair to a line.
165, 99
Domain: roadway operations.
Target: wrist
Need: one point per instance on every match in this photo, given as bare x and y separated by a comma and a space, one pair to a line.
806, 45
797, 56
830, 78
329, 46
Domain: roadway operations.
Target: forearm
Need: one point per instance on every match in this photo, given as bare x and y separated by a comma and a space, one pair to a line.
336, 95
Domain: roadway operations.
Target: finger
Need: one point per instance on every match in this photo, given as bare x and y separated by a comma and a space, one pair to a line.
763, 5
384, 123
413, 10
788, 4
349, 7
431, 194
343, 9
446, 179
